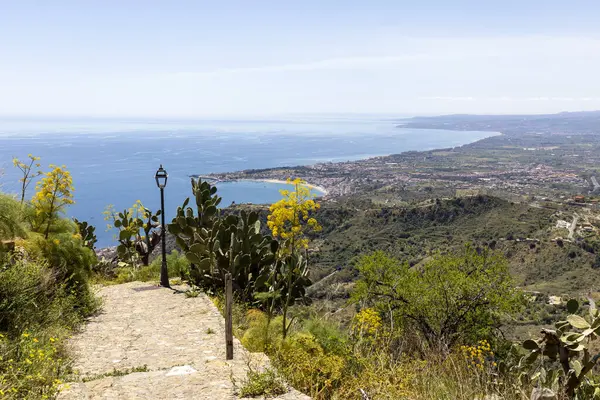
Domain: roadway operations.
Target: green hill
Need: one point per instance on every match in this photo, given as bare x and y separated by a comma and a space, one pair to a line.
523, 233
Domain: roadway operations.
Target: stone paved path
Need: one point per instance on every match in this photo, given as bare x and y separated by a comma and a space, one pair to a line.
168, 333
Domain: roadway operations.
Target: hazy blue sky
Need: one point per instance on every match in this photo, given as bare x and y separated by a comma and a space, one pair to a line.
228, 58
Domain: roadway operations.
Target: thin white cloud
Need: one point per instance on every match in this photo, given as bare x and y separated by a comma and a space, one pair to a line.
511, 99
326, 64
373, 74
449, 98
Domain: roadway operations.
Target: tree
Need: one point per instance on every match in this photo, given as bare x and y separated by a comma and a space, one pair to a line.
290, 219
53, 193
452, 298
26, 169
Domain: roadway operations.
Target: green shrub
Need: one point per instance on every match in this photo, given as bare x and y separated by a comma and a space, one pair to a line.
177, 264
38, 223
265, 383
31, 297
379, 377
450, 299
306, 366
36, 313
11, 218
69, 259
332, 338
30, 367
260, 335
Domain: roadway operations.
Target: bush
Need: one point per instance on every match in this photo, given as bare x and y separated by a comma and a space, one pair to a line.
178, 265
450, 299
11, 218
36, 313
260, 334
306, 366
265, 383
30, 367
32, 297
379, 377
367, 358
69, 260
332, 338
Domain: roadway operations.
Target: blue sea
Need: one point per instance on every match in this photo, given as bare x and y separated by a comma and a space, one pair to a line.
114, 161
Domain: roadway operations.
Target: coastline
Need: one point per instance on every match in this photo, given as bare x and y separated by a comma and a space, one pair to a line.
340, 178
318, 188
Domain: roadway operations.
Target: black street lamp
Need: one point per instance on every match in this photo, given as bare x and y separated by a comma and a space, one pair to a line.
161, 181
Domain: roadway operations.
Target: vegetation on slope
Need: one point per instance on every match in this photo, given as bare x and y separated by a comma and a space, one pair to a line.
44, 291
523, 234
424, 318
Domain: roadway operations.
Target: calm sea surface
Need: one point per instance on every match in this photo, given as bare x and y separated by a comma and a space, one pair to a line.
113, 162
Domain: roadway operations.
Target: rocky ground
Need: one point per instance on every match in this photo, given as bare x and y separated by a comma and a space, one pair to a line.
156, 343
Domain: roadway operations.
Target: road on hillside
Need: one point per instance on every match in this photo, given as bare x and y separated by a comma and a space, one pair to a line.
573, 226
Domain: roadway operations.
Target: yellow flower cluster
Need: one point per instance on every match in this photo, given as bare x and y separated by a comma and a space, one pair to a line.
367, 322
476, 355
34, 370
138, 210
54, 191
26, 167
290, 219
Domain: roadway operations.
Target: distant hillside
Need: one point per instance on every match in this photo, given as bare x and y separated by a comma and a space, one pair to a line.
572, 123
521, 232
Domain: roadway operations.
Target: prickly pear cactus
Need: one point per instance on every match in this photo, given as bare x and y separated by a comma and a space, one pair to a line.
87, 233
560, 359
216, 245
190, 228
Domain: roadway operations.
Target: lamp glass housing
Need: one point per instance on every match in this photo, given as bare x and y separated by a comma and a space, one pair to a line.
161, 177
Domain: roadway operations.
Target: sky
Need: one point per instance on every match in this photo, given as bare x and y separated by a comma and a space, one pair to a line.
196, 59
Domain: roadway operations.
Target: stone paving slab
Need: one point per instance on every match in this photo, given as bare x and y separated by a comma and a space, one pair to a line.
179, 340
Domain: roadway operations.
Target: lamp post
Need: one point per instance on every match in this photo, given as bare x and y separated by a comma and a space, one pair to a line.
161, 181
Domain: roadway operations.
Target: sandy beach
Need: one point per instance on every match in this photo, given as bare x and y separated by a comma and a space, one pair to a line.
308, 185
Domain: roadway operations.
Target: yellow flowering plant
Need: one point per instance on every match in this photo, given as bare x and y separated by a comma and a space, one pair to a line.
30, 367
367, 322
478, 355
290, 218
53, 193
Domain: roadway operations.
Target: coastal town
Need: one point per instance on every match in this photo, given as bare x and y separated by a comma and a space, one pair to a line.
492, 166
